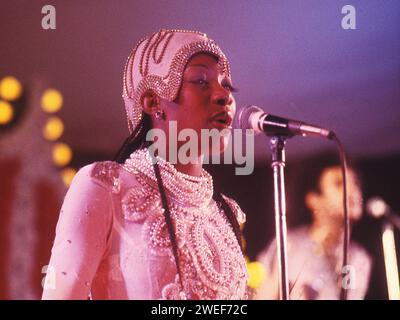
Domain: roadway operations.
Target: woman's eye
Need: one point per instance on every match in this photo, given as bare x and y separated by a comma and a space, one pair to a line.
205, 83
202, 82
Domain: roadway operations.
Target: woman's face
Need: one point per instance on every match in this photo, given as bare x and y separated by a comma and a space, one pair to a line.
205, 99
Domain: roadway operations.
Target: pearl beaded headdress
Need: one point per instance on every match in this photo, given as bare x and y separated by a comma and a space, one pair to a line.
157, 63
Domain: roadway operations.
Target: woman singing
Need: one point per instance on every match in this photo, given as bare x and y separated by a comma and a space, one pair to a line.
146, 226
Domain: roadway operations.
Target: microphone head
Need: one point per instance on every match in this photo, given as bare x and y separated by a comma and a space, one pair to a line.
376, 207
245, 117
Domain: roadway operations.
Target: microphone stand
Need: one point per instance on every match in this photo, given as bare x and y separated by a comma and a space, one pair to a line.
277, 146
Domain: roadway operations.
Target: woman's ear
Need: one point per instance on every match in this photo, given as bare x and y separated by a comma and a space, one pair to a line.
150, 102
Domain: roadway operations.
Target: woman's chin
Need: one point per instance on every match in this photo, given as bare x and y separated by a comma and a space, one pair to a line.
218, 149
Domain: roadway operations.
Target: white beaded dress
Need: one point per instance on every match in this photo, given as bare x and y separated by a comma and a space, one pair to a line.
112, 241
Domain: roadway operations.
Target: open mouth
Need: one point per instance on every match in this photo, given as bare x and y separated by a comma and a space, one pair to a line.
222, 119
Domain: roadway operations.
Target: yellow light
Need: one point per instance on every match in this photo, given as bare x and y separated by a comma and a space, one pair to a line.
53, 129
52, 100
256, 272
6, 112
62, 154
10, 88
67, 175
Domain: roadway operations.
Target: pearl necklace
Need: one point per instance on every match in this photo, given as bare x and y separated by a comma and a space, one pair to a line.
183, 188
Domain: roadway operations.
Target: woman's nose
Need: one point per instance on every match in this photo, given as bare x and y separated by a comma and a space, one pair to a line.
222, 96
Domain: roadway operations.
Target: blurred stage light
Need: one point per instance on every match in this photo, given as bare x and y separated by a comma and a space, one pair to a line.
52, 100
67, 175
6, 112
256, 272
376, 207
62, 154
10, 88
53, 129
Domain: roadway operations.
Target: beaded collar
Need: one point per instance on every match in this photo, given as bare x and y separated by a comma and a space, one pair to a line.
182, 188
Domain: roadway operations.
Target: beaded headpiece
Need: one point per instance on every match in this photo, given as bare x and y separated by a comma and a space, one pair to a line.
158, 62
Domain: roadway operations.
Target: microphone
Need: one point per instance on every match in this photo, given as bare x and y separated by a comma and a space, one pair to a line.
377, 208
253, 117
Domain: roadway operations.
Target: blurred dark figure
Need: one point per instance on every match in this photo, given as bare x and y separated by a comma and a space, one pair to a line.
315, 250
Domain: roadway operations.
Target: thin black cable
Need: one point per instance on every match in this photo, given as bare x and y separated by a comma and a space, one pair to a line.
346, 244
168, 219
219, 199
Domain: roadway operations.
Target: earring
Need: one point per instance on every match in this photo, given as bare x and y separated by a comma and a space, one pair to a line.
159, 114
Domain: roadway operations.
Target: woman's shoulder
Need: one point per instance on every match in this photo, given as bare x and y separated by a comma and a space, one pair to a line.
102, 173
107, 174
87, 206
137, 197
